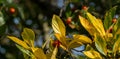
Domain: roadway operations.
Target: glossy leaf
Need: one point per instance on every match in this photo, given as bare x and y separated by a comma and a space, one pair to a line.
54, 53
92, 54
58, 25
87, 25
38, 52
82, 38
79, 40
97, 23
28, 36
100, 44
18, 41
108, 17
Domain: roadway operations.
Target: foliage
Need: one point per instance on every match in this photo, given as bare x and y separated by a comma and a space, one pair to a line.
103, 43
87, 24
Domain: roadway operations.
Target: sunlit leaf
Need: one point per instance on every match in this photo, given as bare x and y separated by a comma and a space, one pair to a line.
63, 47
38, 52
27, 52
97, 23
79, 40
108, 17
116, 45
88, 26
100, 44
61, 39
28, 36
82, 38
92, 54
18, 41
54, 53
74, 44
58, 25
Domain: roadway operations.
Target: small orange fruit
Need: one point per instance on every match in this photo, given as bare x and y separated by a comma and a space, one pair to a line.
12, 10
69, 19
84, 7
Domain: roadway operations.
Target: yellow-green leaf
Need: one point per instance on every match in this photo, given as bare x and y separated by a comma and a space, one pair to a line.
74, 44
97, 24
100, 44
88, 26
116, 46
79, 40
58, 25
54, 53
82, 38
18, 41
28, 36
92, 54
62, 39
38, 52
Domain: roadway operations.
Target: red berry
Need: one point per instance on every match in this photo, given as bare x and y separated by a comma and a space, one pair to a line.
114, 20
84, 7
69, 19
56, 43
12, 10
110, 30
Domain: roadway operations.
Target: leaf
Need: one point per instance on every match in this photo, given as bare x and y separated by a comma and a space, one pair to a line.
116, 45
92, 54
58, 25
74, 44
82, 38
97, 23
28, 36
61, 39
88, 26
116, 27
38, 52
2, 22
54, 53
27, 52
18, 41
100, 44
79, 40
108, 17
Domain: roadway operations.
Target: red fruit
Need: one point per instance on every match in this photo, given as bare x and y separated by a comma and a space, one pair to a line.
114, 20
69, 19
84, 7
12, 10
56, 43
110, 30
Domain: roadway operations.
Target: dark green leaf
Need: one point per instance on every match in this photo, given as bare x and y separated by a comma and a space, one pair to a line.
108, 17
